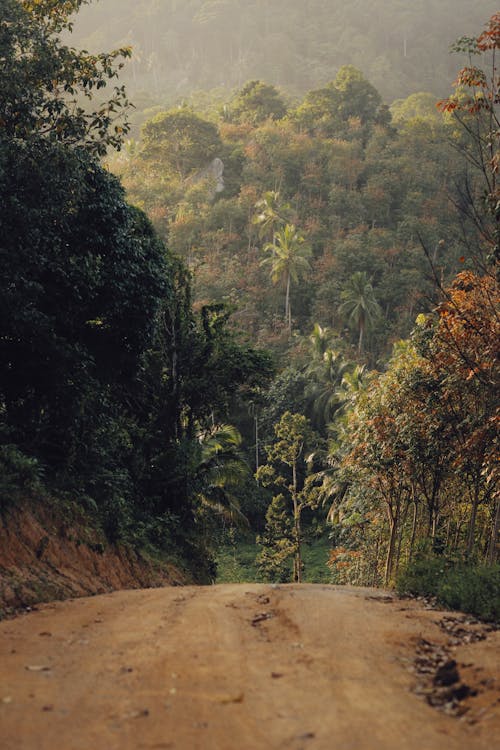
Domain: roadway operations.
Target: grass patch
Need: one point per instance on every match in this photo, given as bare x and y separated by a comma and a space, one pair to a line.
236, 562
474, 589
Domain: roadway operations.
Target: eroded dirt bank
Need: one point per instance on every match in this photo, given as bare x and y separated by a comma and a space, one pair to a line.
238, 666
46, 555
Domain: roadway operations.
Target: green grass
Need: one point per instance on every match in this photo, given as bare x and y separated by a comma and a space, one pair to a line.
470, 588
236, 563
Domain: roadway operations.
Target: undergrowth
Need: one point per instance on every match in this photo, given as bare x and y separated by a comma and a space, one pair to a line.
474, 589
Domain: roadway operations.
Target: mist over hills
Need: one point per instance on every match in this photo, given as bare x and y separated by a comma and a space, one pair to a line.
180, 46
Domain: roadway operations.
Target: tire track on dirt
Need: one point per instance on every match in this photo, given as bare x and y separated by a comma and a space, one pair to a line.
225, 667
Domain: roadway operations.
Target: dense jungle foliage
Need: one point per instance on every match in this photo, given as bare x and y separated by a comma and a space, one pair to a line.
112, 389
350, 230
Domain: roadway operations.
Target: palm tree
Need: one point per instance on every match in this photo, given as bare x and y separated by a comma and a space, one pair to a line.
325, 373
288, 258
353, 381
359, 305
271, 214
220, 470
320, 339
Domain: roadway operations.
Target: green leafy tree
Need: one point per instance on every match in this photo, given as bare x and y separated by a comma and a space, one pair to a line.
358, 98
286, 469
474, 106
221, 470
84, 279
180, 142
277, 542
257, 102
106, 372
43, 82
324, 373
350, 96
271, 214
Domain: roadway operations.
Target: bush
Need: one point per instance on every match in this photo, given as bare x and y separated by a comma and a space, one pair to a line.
19, 474
473, 589
470, 588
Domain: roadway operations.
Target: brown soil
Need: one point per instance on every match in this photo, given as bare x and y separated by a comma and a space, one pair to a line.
46, 554
245, 667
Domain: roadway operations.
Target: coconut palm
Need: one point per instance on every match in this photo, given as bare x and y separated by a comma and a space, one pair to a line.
359, 306
288, 257
220, 470
325, 378
353, 381
324, 373
320, 339
271, 214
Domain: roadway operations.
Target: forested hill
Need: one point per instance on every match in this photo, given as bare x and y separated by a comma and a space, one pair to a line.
179, 46
291, 330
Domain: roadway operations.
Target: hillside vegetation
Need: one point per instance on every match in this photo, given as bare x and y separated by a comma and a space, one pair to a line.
263, 316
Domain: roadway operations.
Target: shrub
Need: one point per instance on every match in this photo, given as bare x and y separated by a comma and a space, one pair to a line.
19, 474
470, 588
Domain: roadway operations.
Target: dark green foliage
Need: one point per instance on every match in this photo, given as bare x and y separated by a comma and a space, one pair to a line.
328, 111
107, 376
237, 560
19, 475
83, 278
182, 141
469, 588
287, 392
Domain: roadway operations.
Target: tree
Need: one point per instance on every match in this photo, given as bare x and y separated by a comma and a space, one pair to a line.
43, 81
289, 261
106, 372
286, 469
180, 142
324, 373
84, 280
465, 351
350, 96
220, 470
257, 102
475, 107
358, 98
359, 305
277, 542
271, 214
421, 439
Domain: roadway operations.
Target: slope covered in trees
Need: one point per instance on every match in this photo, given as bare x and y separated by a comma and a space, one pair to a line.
400, 45
339, 216
110, 384
321, 214
329, 230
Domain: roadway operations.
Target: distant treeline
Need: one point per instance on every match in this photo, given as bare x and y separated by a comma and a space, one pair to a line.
183, 45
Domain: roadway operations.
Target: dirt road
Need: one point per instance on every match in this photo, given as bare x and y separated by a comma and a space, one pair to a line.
239, 667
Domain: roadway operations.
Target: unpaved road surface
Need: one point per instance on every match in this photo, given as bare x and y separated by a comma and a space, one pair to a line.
237, 667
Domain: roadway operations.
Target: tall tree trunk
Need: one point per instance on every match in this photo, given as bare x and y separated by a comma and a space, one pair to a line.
402, 524
256, 417
390, 551
361, 333
288, 316
297, 563
472, 520
413, 528
495, 532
